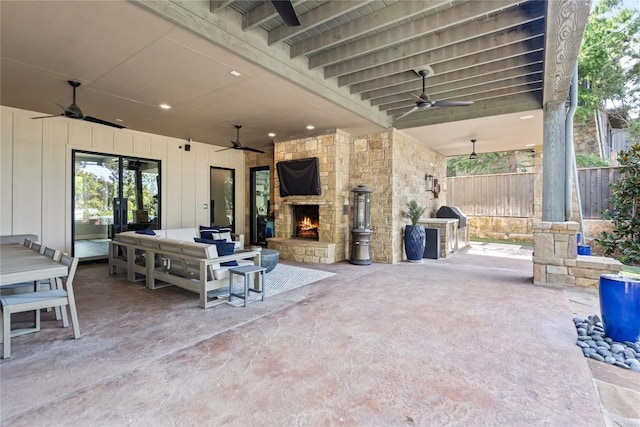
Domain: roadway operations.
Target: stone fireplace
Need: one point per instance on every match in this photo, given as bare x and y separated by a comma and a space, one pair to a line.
323, 240
305, 221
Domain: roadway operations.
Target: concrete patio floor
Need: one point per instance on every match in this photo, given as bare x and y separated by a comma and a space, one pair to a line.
466, 340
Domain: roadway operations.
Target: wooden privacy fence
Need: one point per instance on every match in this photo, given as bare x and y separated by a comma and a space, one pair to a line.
594, 184
508, 194
512, 194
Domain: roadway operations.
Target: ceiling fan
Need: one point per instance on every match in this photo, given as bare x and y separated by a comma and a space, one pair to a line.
286, 12
424, 102
238, 146
74, 112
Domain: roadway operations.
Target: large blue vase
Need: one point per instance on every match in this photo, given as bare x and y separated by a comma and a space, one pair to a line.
620, 307
414, 241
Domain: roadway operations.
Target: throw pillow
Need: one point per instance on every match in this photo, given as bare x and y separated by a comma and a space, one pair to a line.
225, 248
226, 236
209, 227
207, 234
147, 231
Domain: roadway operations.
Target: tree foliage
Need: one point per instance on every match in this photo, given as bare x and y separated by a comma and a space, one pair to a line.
491, 163
609, 63
590, 160
624, 241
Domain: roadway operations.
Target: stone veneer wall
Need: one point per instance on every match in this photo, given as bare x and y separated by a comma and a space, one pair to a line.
390, 162
555, 258
394, 165
372, 165
333, 151
411, 162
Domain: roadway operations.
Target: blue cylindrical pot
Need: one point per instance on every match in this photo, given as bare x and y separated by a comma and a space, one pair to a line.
414, 241
584, 250
620, 307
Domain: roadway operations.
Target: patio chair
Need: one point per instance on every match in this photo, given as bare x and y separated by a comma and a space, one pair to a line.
37, 247
27, 243
61, 296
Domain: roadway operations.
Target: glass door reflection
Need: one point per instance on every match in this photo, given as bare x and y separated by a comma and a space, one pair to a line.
111, 194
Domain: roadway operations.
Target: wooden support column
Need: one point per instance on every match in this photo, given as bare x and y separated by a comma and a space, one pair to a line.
553, 178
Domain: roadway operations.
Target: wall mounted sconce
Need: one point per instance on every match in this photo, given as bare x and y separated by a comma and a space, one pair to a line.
436, 188
432, 185
428, 179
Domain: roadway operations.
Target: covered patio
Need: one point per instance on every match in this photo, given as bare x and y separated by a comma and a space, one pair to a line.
488, 348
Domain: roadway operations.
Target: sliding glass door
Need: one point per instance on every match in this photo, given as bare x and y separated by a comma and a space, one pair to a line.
111, 194
260, 178
223, 202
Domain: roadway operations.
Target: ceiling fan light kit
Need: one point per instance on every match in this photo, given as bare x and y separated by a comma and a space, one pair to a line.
473, 155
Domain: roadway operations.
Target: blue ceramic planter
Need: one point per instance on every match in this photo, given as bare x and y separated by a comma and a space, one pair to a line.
620, 307
414, 241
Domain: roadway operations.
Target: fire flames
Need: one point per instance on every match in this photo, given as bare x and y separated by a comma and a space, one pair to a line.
307, 228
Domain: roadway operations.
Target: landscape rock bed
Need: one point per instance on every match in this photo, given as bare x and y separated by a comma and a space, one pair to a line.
596, 345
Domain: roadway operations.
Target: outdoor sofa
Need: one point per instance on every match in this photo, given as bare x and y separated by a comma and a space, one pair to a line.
172, 257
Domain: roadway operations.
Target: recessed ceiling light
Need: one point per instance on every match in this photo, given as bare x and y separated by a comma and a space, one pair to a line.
310, 127
530, 145
271, 134
119, 120
527, 117
165, 106
235, 73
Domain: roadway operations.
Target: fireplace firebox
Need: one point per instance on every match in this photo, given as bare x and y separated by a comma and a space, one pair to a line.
306, 221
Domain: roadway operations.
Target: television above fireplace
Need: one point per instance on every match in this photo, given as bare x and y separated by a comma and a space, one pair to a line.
299, 177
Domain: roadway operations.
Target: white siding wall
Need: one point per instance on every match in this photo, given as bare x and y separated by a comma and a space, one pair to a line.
35, 173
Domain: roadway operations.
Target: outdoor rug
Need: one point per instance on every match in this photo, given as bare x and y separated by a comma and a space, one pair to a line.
281, 279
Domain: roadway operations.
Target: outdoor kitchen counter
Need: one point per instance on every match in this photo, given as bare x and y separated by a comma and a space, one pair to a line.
448, 233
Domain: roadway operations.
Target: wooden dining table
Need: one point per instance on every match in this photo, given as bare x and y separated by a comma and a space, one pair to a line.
20, 264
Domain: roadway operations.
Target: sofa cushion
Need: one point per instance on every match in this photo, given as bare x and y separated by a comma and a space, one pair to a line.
223, 247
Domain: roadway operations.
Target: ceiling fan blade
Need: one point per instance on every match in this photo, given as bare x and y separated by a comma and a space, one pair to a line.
422, 96
225, 149
47, 117
285, 9
102, 122
451, 103
413, 110
255, 150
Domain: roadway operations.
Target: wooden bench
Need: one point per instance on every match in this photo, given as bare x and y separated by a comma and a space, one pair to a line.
188, 265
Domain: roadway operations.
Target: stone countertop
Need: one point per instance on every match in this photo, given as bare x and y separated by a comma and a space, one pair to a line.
437, 220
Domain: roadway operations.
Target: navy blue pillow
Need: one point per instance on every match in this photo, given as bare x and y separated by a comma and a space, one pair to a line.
226, 248
147, 231
207, 234
209, 227
223, 247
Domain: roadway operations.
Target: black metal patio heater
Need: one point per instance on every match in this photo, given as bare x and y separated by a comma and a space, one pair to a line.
361, 231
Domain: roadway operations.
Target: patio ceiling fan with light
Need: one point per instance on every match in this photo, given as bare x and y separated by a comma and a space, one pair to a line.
425, 103
74, 112
238, 146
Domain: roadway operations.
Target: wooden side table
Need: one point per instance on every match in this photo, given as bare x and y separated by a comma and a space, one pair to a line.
248, 272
